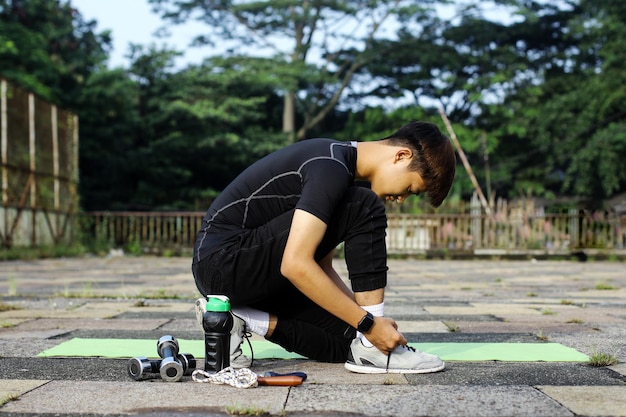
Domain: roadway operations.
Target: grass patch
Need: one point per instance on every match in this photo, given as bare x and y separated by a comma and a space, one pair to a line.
548, 312
531, 294
567, 302
237, 410
85, 291
605, 286
541, 336
602, 359
8, 399
41, 252
575, 320
452, 327
160, 294
389, 380
8, 307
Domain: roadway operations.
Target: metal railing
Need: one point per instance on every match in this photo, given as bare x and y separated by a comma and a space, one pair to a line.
406, 233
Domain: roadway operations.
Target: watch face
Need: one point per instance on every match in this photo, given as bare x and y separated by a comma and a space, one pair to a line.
366, 323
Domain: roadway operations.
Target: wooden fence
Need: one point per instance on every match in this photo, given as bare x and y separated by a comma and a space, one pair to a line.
408, 234
38, 170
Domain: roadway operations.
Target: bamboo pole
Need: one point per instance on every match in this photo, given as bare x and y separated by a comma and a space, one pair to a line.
33, 167
466, 164
4, 138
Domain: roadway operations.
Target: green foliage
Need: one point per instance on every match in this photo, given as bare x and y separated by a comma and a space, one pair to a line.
537, 103
47, 47
41, 252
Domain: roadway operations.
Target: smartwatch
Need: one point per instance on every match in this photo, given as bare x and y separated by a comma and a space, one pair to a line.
366, 323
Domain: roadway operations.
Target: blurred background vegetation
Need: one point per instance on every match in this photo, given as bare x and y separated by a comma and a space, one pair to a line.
538, 100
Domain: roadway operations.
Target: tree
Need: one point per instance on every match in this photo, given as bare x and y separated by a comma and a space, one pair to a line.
318, 47
109, 122
564, 132
47, 47
168, 139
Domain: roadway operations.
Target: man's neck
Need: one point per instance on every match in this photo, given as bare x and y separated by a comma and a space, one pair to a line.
370, 155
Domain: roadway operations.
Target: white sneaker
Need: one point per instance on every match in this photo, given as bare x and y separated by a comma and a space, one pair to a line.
237, 359
402, 360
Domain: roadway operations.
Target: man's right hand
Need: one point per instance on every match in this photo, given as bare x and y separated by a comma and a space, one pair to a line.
384, 334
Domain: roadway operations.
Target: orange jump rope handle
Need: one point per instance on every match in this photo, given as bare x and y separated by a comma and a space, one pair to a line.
284, 381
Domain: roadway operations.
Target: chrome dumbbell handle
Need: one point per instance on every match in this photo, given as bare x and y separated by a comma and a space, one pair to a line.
171, 368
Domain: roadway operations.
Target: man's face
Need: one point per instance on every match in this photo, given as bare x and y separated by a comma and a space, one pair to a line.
394, 181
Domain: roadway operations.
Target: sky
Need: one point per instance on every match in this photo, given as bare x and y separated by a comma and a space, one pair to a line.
133, 21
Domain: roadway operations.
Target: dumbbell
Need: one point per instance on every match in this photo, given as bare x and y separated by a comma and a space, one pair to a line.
171, 368
140, 367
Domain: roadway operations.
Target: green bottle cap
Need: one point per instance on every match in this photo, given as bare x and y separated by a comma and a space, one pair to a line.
217, 303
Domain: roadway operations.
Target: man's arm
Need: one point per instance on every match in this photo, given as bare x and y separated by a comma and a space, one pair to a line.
327, 266
301, 269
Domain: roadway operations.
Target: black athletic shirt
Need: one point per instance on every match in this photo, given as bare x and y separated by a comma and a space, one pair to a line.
311, 175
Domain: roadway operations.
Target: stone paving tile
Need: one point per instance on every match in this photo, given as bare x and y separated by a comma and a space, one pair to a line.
94, 397
554, 316
11, 322
181, 325
519, 373
31, 334
75, 324
498, 310
421, 326
328, 373
519, 327
60, 314
26, 347
605, 339
162, 306
402, 400
396, 309
620, 368
590, 401
599, 295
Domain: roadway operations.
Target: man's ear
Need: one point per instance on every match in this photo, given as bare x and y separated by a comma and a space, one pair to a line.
403, 154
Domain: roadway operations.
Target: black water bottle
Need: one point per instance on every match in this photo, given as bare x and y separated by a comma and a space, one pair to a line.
217, 323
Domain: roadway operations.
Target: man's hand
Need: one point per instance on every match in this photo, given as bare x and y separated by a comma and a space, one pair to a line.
384, 334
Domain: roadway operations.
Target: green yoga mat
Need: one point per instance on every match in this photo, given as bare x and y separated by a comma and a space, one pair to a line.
473, 352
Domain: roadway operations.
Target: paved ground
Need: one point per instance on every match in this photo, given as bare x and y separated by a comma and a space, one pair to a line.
580, 305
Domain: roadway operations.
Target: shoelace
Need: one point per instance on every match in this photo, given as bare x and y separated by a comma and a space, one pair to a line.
238, 378
247, 334
410, 348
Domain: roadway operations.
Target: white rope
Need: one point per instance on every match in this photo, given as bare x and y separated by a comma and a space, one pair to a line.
238, 378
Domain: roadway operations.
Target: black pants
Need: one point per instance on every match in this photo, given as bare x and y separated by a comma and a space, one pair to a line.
248, 272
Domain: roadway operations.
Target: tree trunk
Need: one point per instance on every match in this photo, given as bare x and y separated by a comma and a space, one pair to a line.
289, 118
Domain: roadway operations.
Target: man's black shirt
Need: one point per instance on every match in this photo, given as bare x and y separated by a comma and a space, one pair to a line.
311, 175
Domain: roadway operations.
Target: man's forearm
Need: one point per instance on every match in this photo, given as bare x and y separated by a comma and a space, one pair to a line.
310, 279
327, 266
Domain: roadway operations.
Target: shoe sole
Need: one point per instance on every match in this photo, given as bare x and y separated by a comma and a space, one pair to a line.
363, 369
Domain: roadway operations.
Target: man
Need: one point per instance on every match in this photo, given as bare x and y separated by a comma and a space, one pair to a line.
267, 242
